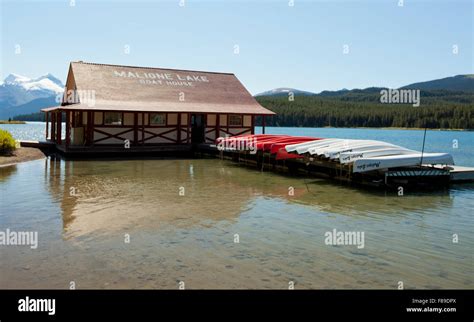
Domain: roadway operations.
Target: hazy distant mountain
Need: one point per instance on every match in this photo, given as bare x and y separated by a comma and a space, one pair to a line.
284, 91
19, 94
463, 83
343, 92
459, 83
33, 106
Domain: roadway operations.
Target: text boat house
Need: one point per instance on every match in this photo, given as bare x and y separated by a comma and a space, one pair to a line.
133, 107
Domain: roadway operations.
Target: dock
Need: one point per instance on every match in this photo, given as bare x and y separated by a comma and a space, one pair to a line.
37, 144
360, 162
165, 150
460, 174
270, 156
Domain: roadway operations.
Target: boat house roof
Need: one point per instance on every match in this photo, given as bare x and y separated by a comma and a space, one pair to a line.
146, 89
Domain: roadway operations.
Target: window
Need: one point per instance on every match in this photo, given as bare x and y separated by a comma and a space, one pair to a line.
235, 120
158, 119
112, 118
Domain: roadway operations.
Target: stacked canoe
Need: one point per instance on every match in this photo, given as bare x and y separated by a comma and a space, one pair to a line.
361, 155
269, 143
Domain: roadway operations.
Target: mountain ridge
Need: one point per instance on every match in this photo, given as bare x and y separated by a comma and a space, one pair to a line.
20, 94
464, 83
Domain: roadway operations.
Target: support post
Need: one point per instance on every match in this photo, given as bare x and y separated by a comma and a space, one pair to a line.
189, 139
253, 125
68, 128
53, 126
143, 128
47, 124
263, 124
86, 128
135, 128
91, 128
81, 116
60, 121
178, 137
218, 126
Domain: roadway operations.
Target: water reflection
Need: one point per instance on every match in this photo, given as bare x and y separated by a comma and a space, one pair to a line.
6, 172
83, 209
108, 196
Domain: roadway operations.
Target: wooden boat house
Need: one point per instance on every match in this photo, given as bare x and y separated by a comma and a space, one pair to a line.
110, 107
123, 109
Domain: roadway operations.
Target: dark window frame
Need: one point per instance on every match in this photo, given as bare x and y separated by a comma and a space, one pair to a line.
110, 124
158, 125
241, 123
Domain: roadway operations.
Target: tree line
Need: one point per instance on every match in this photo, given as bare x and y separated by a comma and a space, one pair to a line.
438, 109
35, 117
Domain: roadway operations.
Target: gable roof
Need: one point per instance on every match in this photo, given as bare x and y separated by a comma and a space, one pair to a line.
129, 88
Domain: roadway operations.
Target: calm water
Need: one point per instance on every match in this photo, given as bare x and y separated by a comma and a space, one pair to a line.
182, 217
28, 131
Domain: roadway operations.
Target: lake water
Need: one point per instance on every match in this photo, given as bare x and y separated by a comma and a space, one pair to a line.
28, 131
154, 223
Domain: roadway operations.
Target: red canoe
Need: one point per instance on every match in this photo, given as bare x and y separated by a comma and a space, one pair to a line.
269, 142
283, 155
273, 148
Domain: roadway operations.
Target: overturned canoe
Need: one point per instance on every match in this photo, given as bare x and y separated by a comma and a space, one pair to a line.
396, 161
367, 155
348, 157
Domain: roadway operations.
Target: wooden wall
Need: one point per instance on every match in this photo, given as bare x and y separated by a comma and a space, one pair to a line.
88, 127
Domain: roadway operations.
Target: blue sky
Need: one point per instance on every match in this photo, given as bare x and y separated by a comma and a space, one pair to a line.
279, 45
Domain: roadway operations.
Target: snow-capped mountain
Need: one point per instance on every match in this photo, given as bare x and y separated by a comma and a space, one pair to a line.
17, 91
45, 83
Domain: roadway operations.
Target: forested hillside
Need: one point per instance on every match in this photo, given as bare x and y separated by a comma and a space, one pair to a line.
362, 108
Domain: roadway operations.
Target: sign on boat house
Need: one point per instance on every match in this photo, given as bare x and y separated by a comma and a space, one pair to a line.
111, 105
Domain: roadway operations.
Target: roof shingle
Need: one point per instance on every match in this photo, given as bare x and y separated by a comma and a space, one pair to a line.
127, 88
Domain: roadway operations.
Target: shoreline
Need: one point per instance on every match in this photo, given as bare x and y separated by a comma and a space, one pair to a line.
401, 128
12, 122
21, 155
322, 127
374, 128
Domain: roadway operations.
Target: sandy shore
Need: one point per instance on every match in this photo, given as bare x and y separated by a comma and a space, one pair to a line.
21, 155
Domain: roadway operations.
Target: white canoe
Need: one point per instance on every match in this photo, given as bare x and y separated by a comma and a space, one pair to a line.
302, 148
395, 161
355, 147
336, 154
337, 145
348, 157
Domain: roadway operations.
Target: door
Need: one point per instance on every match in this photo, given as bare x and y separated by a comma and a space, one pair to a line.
198, 128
